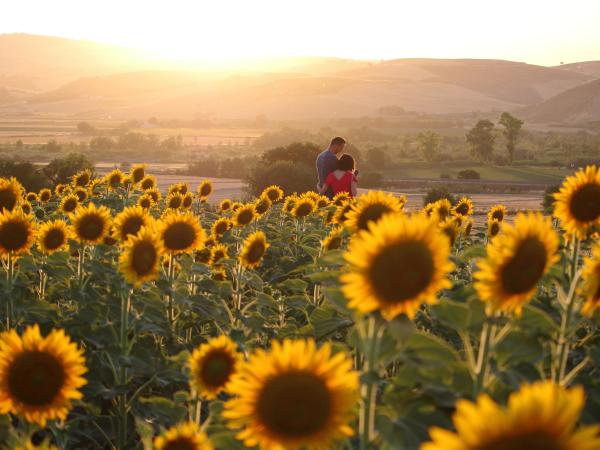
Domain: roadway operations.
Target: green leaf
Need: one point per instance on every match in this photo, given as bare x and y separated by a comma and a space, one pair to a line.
326, 320
452, 314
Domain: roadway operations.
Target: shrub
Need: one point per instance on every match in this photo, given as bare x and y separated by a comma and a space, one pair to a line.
548, 200
28, 174
468, 174
445, 176
60, 170
289, 176
434, 194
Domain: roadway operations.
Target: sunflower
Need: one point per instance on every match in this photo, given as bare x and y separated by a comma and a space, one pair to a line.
82, 178
115, 179
10, 193
312, 195
253, 249
515, 263
148, 182
140, 259
262, 205
340, 198
205, 188
539, 416
17, 232
81, 193
154, 194
398, 264
290, 203
185, 436
145, 201
210, 241
69, 203
181, 232
341, 213
463, 208
577, 204
371, 207
130, 221
294, 396
90, 223
442, 209
177, 188
61, 189
188, 200
494, 227
468, 228
39, 376
221, 226
212, 365
244, 215
303, 207
45, 195
203, 256
329, 216
26, 207
174, 200
450, 228
591, 282
32, 197
218, 253
273, 193
218, 273
53, 236
497, 212
225, 205
333, 241
137, 173
429, 209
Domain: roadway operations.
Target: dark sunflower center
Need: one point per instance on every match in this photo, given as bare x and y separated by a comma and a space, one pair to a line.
145, 203
494, 229
443, 212
179, 236
401, 271
180, 443
81, 195
147, 184
498, 215
45, 196
137, 175
205, 190
303, 209
35, 378
132, 225
174, 202
221, 227
255, 252
115, 180
218, 255
262, 207
273, 195
216, 368
69, 205
202, 256
144, 258
525, 268
8, 199
294, 405
245, 217
531, 441
371, 213
91, 227
585, 203
187, 201
334, 243
14, 235
462, 209
82, 180
54, 239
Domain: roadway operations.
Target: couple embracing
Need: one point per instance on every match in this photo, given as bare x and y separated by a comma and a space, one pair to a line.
336, 170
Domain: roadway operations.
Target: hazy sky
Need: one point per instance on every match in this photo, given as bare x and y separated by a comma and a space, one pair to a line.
536, 31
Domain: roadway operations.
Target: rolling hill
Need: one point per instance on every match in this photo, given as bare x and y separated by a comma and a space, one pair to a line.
590, 68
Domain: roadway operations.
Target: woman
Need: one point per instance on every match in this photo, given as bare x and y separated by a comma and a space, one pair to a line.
343, 179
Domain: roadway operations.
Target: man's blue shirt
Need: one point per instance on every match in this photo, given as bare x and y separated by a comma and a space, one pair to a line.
326, 163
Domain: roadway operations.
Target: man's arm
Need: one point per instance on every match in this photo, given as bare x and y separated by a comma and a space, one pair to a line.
328, 165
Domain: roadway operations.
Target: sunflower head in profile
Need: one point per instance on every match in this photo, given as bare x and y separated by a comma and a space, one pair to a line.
244, 215
141, 256
81, 193
212, 365
148, 182
218, 273
39, 376
273, 193
211, 241
340, 198
262, 205
69, 203
515, 263
221, 226
468, 227
294, 396
521, 425
115, 179
371, 207
590, 291
329, 216
45, 195
82, 178
185, 436
60, 189
53, 236
10, 193
494, 228
577, 204
180, 233
225, 205
26, 207
442, 209
450, 228
91, 223
174, 200
428, 209
323, 202
203, 256
154, 194
304, 207
32, 197
341, 213
205, 188
463, 208
253, 250
400, 263
497, 212
290, 203
145, 202
137, 173
218, 253
334, 239
188, 200
130, 221
178, 188
17, 232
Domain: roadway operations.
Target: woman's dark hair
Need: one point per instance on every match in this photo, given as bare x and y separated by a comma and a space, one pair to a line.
346, 162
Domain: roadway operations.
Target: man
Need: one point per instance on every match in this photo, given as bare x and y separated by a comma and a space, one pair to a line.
327, 161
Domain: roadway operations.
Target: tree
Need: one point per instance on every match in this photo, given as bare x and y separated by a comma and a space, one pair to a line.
376, 158
290, 176
60, 170
27, 173
512, 129
298, 152
481, 139
85, 128
428, 143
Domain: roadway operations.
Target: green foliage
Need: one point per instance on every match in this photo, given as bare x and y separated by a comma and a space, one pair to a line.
435, 194
468, 174
60, 170
428, 143
30, 176
291, 177
512, 129
481, 140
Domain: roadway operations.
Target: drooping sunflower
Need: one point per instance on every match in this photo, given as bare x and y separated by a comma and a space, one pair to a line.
245, 215
225, 205
539, 416
303, 207
395, 266
497, 212
53, 236
39, 376
294, 396
82, 178
114, 179
137, 173
212, 365
205, 188
91, 224
494, 227
442, 209
333, 241
32, 197
591, 282
188, 200
218, 253
273, 193
145, 201
69, 203
181, 232
262, 205
340, 198
221, 226
10, 193
174, 200
141, 255
148, 182
45, 195
17, 232
253, 249
130, 221
371, 207
450, 228
515, 263
81, 193
464, 207
577, 204
185, 436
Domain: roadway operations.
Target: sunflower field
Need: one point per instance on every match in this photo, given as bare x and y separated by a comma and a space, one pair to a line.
137, 319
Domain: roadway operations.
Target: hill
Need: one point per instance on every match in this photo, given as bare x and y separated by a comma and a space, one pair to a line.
590, 68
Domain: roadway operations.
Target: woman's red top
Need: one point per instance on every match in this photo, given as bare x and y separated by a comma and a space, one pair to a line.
343, 184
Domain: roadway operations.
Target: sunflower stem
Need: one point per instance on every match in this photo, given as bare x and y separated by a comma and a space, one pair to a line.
483, 357
170, 272
10, 305
123, 338
371, 342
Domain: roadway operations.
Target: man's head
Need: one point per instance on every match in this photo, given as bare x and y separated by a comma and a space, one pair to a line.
337, 145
